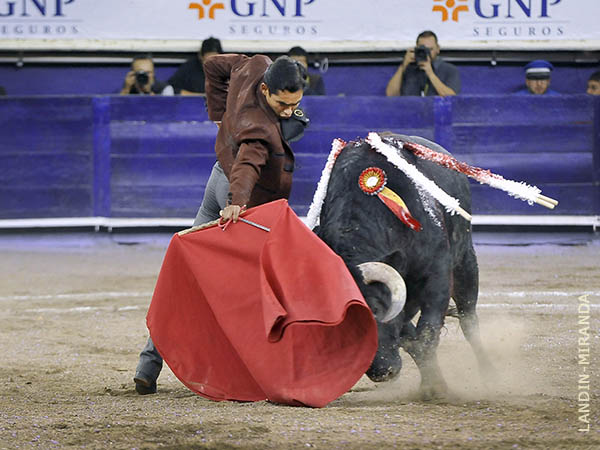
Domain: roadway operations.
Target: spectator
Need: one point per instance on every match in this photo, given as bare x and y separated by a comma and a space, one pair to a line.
422, 72
315, 81
537, 79
593, 84
140, 80
189, 78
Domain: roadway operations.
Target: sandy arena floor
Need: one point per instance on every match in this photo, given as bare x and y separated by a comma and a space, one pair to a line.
72, 311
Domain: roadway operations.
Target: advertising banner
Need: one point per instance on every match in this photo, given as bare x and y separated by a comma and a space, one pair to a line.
272, 25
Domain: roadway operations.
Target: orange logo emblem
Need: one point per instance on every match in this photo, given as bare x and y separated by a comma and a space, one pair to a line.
450, 8
211, 10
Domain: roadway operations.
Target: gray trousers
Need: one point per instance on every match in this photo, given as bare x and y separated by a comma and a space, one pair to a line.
215, 199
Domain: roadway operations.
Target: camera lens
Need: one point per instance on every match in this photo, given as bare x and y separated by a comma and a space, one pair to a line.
142, 78
421, 53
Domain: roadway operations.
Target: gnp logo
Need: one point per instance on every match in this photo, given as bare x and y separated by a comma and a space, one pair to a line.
37, 18
29, 8
211, 8
450, 8
503, 19
489, 9
208, 8
260, 19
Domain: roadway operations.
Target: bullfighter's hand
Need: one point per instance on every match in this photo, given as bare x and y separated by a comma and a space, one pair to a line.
231, 212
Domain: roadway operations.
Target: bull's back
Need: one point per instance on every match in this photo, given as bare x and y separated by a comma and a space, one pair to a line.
350, 214
355, 157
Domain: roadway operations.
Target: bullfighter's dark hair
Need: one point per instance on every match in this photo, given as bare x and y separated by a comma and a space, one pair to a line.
211, 44
595, 76
426, 34
285, 74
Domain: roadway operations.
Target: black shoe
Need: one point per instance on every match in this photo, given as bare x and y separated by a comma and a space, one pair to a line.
143, 385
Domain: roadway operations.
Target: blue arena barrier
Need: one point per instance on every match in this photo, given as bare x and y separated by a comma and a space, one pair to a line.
150, 157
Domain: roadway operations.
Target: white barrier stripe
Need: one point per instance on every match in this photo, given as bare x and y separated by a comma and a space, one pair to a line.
95, 295
78, 296
523, 294
506, 306
134, 294
109, 222
477, 219
83, 309
559, 306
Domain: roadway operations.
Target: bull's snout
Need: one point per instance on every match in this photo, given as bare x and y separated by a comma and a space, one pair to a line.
377, 271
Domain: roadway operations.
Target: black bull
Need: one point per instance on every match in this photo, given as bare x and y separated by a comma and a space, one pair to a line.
436, 263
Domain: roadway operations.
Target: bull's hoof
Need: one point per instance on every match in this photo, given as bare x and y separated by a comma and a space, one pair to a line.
452, 312
380, 375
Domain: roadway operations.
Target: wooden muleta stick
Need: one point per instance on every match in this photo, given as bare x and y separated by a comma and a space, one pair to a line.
216, 222
198, 227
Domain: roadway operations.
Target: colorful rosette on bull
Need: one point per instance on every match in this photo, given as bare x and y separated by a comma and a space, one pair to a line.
372, 181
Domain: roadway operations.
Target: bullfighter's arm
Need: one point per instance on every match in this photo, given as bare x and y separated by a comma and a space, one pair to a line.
251, 158
217, 70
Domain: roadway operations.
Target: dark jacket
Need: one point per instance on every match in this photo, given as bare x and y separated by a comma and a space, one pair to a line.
250, 147
189, 76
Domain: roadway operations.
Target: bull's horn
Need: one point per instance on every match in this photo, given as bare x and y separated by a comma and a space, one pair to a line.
386, 274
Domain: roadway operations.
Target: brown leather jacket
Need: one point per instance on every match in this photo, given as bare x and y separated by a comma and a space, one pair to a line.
250, 147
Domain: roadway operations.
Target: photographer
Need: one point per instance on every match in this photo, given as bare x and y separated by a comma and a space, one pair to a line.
423, 73
140, 79
316, 86
189, 78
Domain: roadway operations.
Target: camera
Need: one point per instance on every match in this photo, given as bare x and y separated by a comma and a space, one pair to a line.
320, 63
142, 78
421, 53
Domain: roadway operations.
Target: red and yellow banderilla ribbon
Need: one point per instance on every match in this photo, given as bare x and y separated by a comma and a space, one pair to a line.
372, 181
